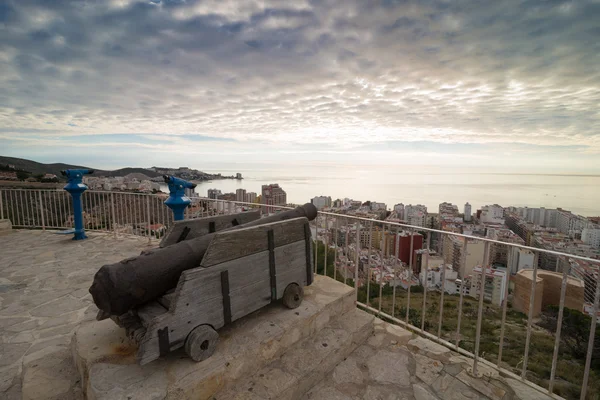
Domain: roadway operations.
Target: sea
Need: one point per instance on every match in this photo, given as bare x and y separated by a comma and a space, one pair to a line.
427, 185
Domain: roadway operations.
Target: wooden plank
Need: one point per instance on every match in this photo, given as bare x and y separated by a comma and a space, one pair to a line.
150, 311
179, 326
291, 276
250, 298
238, 243
166, 300
290, 256
205, 283
201, 226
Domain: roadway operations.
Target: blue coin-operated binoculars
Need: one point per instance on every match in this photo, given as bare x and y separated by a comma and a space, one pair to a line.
76, 187
177, 200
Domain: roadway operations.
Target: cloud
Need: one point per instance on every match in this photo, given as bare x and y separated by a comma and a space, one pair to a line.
327, 73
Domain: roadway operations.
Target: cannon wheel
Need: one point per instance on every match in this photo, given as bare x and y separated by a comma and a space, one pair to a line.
201, 342
293, 295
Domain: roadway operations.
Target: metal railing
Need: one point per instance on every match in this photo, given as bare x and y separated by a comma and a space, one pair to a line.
407, 288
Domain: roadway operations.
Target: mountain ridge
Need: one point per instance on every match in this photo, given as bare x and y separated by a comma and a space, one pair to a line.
35, 167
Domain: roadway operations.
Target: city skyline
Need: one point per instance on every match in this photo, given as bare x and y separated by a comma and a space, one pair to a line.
513, 84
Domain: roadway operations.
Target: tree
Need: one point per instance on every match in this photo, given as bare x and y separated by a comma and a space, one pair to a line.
575, 332
22, 175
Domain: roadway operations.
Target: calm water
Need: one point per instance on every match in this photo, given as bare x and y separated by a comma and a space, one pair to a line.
411, 185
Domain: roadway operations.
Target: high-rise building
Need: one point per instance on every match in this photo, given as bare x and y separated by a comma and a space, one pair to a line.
520, 259
214, 193
250, 197
403, 249
272, 195
494, 285
240, 195
321, 202
378, 206
399, 210
415, 215
493, 214
467, 216
591, 236
453, 252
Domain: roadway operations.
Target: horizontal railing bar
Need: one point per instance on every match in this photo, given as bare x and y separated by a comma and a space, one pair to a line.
355, 218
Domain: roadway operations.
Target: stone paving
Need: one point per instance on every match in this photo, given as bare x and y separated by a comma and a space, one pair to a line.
44, 282
395, 364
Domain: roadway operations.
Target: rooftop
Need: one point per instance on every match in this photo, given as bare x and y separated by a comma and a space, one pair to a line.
44, 281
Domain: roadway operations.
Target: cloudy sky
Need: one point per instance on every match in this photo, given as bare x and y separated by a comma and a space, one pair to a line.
110, 83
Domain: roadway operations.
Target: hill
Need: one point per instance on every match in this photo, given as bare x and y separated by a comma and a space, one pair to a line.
39, 168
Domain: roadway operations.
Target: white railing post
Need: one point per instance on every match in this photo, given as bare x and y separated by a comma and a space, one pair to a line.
149, 230
1, 206
369, 263
326, 247
504, 305
462, 268
356, 281
316, 241
42, 210
395, 268
561, 307
486, 254
590, 349
530, 316
443, 278
336, 241
382, 266
347, 226
410, 273
112, 211
425, 284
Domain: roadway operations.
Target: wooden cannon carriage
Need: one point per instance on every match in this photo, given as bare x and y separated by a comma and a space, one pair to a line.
242, 271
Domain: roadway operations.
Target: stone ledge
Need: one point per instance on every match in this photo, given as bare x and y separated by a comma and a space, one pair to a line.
306, 364
5, 225
106, 360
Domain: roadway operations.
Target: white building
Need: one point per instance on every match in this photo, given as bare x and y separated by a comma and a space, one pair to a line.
250, 197
467, 217
494, 286
520, 259
214, 193
493, 214
415, 215
435, 275
376, 206
240, 195
399, 210
321, 202
591, 236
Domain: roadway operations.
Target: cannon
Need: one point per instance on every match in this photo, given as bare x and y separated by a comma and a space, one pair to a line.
119, 287
180, 295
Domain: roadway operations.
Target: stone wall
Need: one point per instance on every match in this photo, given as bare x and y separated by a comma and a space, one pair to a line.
547, 291
521, 294
552, 286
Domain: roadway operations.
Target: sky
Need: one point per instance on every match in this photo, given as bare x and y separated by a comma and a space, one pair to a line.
508, 84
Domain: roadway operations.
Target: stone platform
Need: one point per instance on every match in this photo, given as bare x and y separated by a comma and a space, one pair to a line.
106, 360
44, 282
